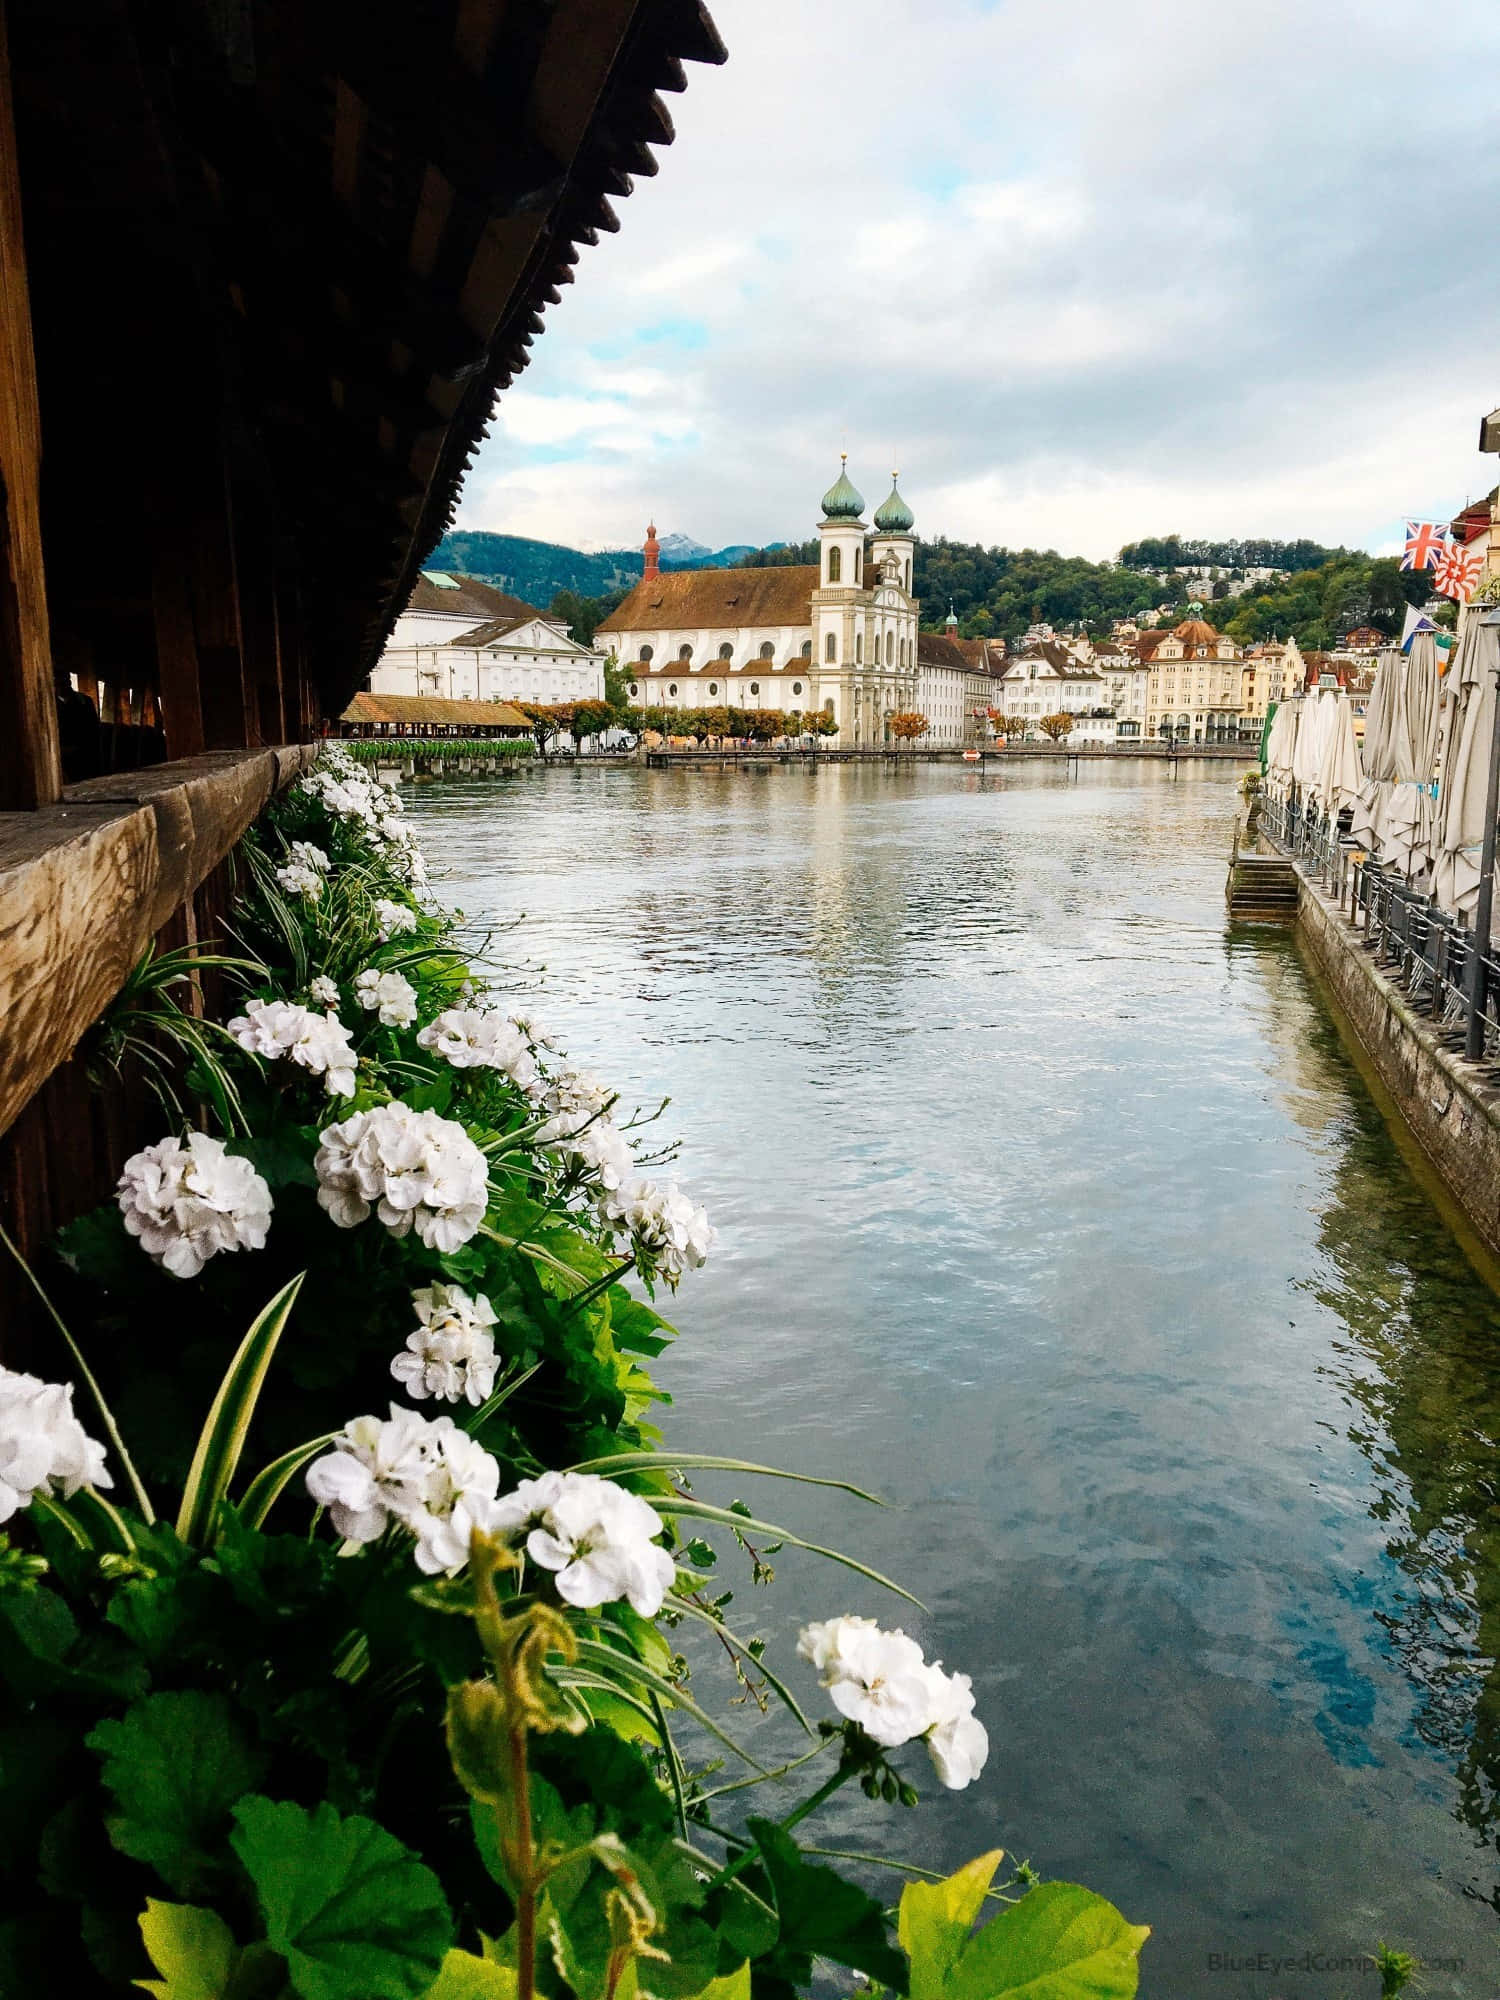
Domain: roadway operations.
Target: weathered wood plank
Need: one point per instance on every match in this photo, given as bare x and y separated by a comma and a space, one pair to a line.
30, 758
85, 885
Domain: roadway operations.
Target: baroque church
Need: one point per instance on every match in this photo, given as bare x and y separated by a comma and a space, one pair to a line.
840, 635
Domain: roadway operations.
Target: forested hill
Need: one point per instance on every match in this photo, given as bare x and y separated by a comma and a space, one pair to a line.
999, 592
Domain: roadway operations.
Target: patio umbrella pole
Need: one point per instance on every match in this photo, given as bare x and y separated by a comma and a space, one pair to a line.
1474, 1038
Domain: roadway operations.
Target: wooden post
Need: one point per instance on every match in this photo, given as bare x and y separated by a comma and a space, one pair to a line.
30, 759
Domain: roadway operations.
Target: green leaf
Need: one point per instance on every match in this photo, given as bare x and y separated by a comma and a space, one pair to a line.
222, 1438
465, 1977
176, 1763
354, 1913
733, 1986
193, 1950
266, 1488
822, 1915
741, 1519
704, 1461
1059, 1942
936, 1919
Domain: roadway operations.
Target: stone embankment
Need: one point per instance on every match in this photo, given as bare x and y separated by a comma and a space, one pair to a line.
1450, 1105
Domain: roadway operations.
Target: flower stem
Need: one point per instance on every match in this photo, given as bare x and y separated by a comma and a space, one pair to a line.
809, 1805
525, 1866
112, 1429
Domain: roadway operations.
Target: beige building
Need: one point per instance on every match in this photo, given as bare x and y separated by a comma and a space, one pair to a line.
839, 635
1268, 675
1193, 684
460, 639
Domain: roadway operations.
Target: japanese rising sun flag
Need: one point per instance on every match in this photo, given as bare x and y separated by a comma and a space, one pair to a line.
1425, 541
1457, 571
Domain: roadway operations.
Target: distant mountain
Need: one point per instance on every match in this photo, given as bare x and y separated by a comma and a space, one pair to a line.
537, 571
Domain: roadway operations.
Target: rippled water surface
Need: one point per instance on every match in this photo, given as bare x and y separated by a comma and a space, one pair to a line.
1063, 1216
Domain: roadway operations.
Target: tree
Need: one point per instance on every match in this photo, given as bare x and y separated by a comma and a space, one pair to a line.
821, 723
591, 718
909, 725
1055, 727
546, 722
616, 686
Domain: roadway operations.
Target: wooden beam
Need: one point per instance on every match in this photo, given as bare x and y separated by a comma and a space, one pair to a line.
87, 883
30, 759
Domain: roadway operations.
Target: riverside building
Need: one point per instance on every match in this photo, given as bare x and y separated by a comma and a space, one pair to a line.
838, 635
460, 639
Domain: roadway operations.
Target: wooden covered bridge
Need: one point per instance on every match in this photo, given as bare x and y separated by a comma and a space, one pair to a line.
263, 268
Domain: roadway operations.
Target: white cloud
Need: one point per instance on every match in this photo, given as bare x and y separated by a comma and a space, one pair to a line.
1157, 266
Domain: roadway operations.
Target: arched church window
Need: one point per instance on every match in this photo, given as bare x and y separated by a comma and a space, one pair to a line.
828, 706
755, 687
835, 565
890, 649
859, 647
646, 655
828, 649
908, 579
673, 688
767, 651
684, 652
807, 649
726, 651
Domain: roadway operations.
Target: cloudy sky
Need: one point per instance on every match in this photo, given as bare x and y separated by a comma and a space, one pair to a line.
1083, 273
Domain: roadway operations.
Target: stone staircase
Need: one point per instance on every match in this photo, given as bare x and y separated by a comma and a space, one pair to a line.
1262, 889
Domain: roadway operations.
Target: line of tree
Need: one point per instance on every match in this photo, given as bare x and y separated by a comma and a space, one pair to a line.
736, 725
1171, 552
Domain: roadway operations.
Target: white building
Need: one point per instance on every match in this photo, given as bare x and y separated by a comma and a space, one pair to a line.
1125, 679
955, 687
839, 635
1049, 680
463, 640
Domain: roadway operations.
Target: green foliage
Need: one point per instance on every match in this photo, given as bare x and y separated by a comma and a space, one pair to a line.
222, 1438
1059, 1942
175, 1764
439, 749
355, 1915
820, 1915
1169, 552
1318, 606
193, 1949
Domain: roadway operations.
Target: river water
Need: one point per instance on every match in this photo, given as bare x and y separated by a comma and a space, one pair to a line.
1062, 1215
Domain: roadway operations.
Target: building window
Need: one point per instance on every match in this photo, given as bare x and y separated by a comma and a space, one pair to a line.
807, 649
673, 688
726, 651
755, 687
634, 690
859, 647
767, 650
684, 653
835, 565
828, 706
713, 687
796, 687
828, 649
646, 655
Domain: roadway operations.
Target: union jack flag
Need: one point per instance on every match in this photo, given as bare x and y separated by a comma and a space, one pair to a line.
1425, 541
1457, 570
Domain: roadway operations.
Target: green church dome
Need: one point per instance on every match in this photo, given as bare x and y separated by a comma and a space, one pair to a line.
843, 501
893, 516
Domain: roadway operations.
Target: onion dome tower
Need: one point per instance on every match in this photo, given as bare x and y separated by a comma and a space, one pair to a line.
843, 501
842, 534
894, 521
893, 516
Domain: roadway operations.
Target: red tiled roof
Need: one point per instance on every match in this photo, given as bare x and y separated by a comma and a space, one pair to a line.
471, 599
414, 710
694, 599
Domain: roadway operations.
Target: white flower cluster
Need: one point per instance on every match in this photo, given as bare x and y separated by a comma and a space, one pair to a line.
344, 790
422, 1472
393, 919
671, 1233
318, 1042
188, 1199
392, 999
452, 1353
415, 1169
303, 874
43, 1447
324, 992
475, 1038
881, 1681
598, 1540
578, 1127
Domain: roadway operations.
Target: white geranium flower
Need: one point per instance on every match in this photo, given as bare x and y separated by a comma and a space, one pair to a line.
186, 1200
875, 1678
880, 1680
317, 1042
300, 881
415, 1169
452, 1353
324, 992
393, 919
392, 999
424, 1474
306, 855
598, 1540
956, 1740
540, 1037
473, 1038
43, 1446
671, 1234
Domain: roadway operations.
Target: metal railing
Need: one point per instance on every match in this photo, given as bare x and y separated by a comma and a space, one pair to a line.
1420, 947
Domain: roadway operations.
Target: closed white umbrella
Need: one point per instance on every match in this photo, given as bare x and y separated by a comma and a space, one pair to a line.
1466, 777
1307, 754
1339, 774
1376, 757
1407, 830
1280, 745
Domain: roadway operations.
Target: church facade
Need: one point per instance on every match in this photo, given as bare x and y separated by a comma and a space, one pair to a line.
838, 636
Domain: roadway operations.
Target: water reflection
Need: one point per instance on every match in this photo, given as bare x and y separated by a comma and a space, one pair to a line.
1059, 1213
